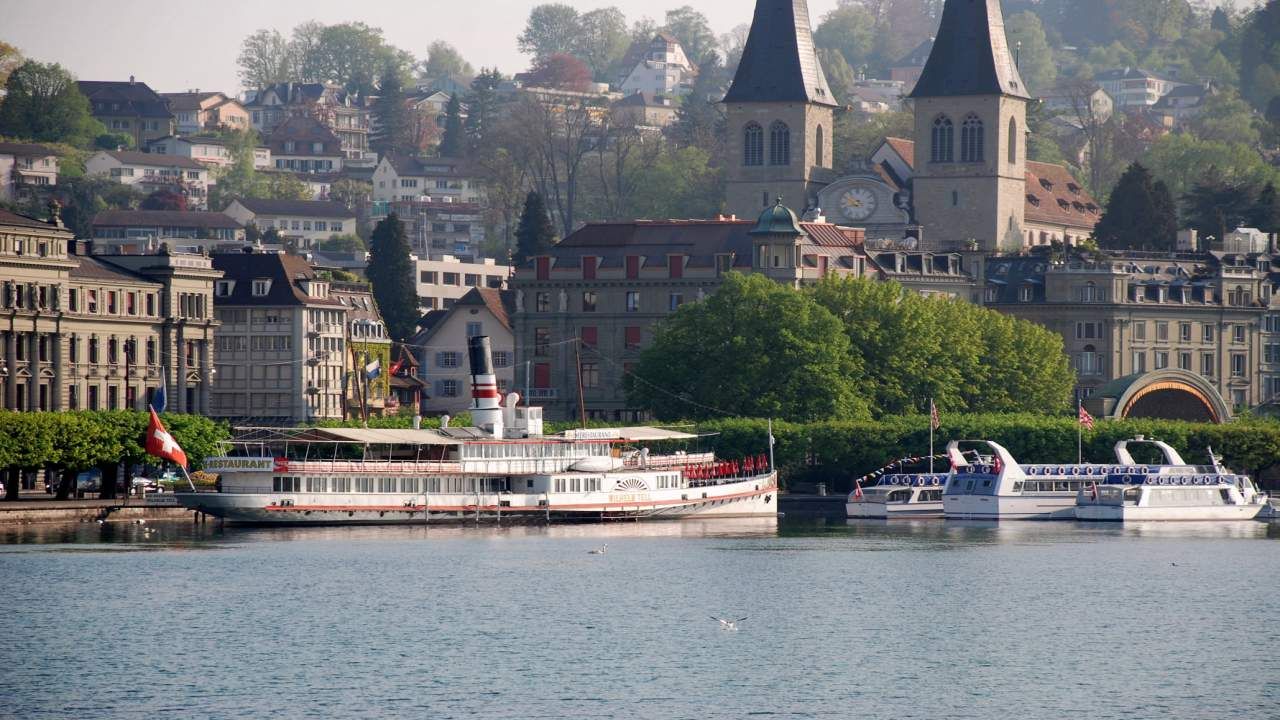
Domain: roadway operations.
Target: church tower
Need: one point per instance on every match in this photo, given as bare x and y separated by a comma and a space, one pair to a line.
780, 113
969, 179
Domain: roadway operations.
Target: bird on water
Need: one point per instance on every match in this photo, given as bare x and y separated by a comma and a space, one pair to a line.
600, 550
728, 624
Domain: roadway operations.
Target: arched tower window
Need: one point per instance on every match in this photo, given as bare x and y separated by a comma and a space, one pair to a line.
779, 143
753, 144
1013, 141
971, 139
942, 147
818, 136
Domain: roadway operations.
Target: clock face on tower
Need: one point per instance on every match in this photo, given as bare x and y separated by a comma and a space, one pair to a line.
858, 203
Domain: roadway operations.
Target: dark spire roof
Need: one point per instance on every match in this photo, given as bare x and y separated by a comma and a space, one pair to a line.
779, 63
970, 55
777, 219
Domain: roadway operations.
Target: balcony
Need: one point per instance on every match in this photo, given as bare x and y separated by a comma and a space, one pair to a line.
543, 393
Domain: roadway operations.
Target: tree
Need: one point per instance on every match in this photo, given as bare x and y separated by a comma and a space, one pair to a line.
552, 29
772, 350
164, 200
549, 143
394, 133
240, 179
1027, 40
351, 192
391, 275
342, 243
535, 235
10, 59
1217, 205
1265, 214
840, 77
856, 136
1227, 118
560, 71
444, 61
43, 103
482, 108
86, 196
1260, 55
602, 41
453, 144
700, 121
1139, 214
286, 186
264, 59
848, 30
675, 183
355, 56
1181, 158
693, 31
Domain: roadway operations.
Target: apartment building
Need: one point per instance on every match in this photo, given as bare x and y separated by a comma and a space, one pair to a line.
282, 346
412, 179
149, 172
132, 232
196, 112
444, 280
132, 108
23, 165
303, 144
435, 229
304, 222
341, 112
84, 332
209, 150
441, 348
1131, 87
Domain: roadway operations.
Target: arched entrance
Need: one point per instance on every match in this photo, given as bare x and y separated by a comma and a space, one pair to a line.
1169, 394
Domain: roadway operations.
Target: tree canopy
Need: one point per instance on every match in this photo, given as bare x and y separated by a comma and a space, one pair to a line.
1140, 214
535, 234
42, 103
391, 274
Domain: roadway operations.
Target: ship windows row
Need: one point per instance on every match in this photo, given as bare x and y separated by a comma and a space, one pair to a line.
577, 484
291, 484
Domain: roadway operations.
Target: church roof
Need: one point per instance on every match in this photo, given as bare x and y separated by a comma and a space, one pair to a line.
970, 56
779, 62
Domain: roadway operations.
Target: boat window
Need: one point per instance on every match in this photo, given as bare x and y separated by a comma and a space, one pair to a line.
1017, 486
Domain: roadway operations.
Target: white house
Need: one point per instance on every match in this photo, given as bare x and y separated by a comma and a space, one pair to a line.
305, 221
441, 348
1134, 87
24, 165
658, 67
208, 149
151, 171
412, 179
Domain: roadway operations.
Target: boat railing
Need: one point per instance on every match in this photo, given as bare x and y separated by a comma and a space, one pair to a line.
368, 467
668, 461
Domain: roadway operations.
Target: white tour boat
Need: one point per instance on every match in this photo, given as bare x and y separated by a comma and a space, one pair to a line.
995, 487
898, 495
1172, 490
503, 469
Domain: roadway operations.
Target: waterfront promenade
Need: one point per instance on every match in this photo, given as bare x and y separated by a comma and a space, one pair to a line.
41, 508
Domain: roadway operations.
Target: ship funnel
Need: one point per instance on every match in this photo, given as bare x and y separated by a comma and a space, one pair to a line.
486, 410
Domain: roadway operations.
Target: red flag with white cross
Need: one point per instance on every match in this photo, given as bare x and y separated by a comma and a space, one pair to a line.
161, 444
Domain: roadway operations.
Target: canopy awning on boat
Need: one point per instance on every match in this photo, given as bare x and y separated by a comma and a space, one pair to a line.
640, 433
363, 436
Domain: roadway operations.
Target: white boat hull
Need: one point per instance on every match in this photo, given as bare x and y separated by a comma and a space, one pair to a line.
881, 510
1048, 506
1133, 513
754, 497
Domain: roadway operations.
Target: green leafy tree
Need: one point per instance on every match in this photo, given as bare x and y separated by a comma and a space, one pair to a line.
856, 137
849, 30
354, 55
1260, 55
552, 28
772, 350
700, 120
840, 76
1026, 38
42, 103
1226, 118
286, 186
692, 29
1216, 205
1180, 159
1265, 214
535, 235
394, 133
602, 41
1140, 214
351, 192
10, 58
86, 196
391, 274
264, 59
444, 61
677, 183
453, 144
342, 243
240, 179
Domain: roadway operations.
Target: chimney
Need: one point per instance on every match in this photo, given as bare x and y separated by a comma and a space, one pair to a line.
486, 410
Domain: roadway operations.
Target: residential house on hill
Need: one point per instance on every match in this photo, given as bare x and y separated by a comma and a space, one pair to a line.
133, 232
658, 67
646, 109
304, 144
410, 178
211, 150
329, 103
23, 165
305, 222
1184, 102
129, 107
1131, 87
150, 172
908, 68
282, 353
196, 112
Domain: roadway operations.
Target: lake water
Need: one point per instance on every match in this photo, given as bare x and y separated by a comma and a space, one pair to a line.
925, 619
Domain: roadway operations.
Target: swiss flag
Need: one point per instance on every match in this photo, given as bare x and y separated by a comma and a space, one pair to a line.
161, 444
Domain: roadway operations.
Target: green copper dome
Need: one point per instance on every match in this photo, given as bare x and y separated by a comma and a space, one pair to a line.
778, 219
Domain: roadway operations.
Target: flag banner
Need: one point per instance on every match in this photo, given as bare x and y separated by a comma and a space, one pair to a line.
934, 422
161, 444
857, 490
373, 369
1085, 418
160, 397
395, 366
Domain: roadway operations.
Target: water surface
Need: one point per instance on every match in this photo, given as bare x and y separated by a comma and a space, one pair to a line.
925, 619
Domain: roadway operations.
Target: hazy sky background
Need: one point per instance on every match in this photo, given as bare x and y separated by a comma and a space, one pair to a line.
191, 45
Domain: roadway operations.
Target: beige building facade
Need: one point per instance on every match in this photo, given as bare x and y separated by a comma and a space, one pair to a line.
85, 332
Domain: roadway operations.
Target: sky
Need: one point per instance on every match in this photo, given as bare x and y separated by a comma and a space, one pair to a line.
180, 46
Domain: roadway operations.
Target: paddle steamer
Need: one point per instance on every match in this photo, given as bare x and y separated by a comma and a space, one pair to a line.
503, 469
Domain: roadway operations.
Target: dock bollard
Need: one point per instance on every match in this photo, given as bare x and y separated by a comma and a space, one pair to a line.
822, 489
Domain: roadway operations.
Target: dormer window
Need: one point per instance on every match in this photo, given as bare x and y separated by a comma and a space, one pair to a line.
224, 288
261, 287
1046, 184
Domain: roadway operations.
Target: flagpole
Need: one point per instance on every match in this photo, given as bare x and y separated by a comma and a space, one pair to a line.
1079, 436
187, 475
930, 436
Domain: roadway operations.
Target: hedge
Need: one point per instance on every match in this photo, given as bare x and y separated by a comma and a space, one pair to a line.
84, 439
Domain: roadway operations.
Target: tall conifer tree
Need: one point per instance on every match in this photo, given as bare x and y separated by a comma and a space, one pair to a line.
1140, 214
453, 144
535, 235
391, 274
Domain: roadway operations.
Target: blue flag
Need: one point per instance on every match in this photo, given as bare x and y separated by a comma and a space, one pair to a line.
159, 398
373, 369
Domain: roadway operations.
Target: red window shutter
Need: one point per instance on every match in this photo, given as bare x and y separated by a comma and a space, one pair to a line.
544, 268
822, 264
633, 266
542, 375
632, 336
589, 335
675, 263
589, 267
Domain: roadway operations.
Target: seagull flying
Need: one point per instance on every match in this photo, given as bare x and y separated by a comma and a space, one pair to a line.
600, 550
728, 624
